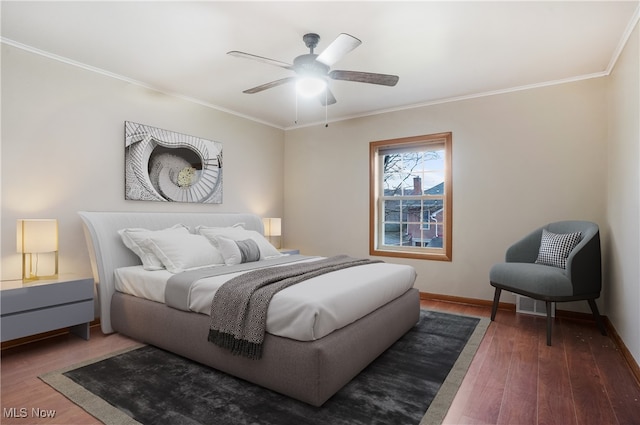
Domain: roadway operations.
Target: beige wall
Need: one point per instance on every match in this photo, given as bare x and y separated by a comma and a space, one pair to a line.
63, 151
520, 160
623, 200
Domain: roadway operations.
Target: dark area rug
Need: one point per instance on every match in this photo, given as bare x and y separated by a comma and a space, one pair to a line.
153, 386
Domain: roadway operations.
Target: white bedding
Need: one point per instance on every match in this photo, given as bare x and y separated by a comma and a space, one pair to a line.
306, 311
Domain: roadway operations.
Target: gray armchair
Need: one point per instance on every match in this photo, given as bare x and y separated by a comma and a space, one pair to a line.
581, 279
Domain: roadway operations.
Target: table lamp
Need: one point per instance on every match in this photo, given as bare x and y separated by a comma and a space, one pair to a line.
34, 239
272, 227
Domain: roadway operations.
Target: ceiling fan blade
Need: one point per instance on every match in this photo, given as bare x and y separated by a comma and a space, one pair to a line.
365, 77
327, 97
339, 47
270, 85
260, 59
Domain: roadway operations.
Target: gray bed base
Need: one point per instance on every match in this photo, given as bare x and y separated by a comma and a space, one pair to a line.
308, 371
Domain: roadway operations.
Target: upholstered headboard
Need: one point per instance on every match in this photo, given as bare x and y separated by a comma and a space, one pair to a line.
108, 252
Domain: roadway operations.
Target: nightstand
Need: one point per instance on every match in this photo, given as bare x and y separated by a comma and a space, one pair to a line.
289, 251
28, 308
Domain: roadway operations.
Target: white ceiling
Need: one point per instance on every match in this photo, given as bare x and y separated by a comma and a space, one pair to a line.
440, 50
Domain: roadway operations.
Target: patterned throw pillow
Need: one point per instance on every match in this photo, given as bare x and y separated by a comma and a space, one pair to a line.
238, 233
555, 248
237, 252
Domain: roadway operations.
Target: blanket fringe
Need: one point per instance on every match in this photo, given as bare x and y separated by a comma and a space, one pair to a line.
238, 347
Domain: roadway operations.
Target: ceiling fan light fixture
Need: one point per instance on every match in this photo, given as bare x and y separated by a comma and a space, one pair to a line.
310, 86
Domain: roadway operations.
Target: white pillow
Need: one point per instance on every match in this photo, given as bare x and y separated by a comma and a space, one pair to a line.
180, 252
134, 237
238, 234
237, 252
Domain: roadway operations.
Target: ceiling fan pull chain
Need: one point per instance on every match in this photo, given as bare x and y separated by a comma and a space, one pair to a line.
326, 105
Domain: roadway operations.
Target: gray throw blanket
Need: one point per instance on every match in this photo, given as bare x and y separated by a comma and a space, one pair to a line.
239, 307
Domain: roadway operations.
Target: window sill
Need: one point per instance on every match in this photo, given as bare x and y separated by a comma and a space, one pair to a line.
434, 256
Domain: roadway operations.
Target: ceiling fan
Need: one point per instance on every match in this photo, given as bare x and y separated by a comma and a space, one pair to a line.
313, 70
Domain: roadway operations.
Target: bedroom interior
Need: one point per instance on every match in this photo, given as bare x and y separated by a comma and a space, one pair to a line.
528, 149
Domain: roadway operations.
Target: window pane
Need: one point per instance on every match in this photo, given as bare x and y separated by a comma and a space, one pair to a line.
395, 234
411, 210
432, 229
414, 173
391, 211
434, 183
395, 184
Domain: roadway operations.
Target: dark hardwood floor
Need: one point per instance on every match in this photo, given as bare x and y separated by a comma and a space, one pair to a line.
514, 378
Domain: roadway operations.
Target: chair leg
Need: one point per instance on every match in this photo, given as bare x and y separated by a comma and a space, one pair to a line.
549, 323
496, 301
596, 315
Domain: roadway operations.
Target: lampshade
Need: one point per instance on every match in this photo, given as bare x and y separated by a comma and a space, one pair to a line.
310, 86
34, 237
272, 226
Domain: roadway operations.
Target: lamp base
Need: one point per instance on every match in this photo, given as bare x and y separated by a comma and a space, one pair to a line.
36, 278
275, 245
30, 270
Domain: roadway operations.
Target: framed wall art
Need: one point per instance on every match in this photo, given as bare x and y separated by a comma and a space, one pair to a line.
162, 165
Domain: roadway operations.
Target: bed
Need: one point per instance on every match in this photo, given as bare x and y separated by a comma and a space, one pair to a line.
310, 370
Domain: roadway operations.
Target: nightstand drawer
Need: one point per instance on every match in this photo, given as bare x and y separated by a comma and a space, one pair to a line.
39, 296
46, 319
28, 308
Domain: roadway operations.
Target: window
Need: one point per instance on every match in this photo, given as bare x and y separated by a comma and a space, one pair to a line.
410, 197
